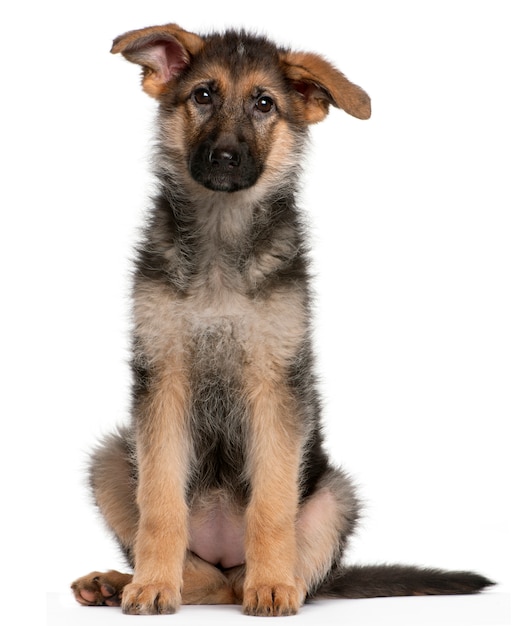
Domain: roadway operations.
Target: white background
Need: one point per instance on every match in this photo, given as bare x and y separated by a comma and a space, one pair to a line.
417, 229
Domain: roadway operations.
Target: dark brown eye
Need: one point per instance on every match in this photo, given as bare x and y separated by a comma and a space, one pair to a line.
202, 96
264, 104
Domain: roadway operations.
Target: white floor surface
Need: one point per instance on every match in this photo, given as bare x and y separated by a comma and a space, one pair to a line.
491, 608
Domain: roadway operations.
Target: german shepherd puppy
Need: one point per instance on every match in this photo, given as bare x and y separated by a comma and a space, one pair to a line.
220, 490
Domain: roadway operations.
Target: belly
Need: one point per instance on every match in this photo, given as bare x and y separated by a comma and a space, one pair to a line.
216, 532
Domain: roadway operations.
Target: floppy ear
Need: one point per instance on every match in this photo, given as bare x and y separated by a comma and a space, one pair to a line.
162, 51
321, 84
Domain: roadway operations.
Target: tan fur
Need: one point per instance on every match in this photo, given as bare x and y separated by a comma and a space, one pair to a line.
205, 584
274, 460
162, 536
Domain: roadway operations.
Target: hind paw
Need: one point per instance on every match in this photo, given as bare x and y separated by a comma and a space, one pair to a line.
101, 589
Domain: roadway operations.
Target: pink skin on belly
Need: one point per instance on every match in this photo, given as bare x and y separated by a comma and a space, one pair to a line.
216, 535
217, 528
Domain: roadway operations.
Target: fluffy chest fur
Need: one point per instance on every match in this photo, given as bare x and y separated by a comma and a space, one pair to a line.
224, 279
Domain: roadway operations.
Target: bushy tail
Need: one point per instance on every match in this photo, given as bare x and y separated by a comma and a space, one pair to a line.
374, 581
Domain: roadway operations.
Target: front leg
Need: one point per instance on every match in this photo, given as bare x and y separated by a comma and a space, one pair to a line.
271, 587
162, 537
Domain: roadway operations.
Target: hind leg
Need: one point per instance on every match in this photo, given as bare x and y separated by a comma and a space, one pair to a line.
114, 489
203, 584
326, 520
112, 481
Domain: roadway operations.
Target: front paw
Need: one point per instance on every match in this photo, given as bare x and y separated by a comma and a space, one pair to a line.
150, 599
272, 600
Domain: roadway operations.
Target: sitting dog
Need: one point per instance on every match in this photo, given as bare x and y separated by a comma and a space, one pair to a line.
220, 490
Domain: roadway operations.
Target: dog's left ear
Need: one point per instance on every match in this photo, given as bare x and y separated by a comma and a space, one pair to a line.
162, 51
320, 84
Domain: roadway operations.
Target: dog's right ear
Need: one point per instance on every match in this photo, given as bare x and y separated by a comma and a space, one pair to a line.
162, 51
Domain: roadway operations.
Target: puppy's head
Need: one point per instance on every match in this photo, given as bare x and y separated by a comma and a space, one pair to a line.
234, 107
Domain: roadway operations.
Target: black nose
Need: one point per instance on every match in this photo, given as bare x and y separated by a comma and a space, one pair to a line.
224, 156
224, 163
